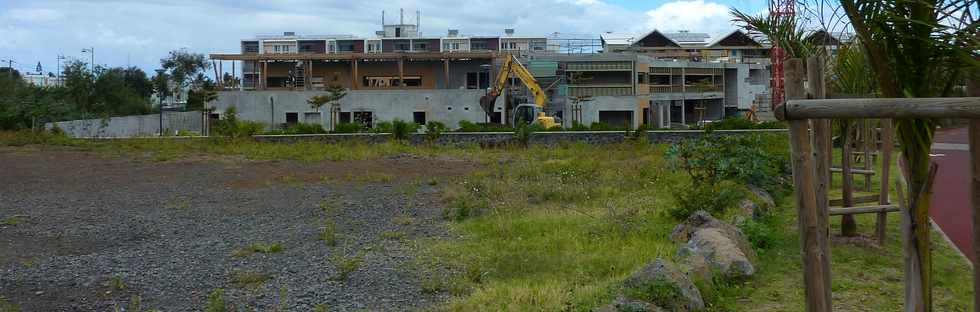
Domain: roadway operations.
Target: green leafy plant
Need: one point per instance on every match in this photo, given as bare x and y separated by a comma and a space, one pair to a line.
334, 94
346, 264
349, 128
715, 198
216, 301
232, 127
433, 130
402, 130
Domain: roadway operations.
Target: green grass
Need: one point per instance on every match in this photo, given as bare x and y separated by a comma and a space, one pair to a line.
13, 220
346, 264
254, 248
248, 279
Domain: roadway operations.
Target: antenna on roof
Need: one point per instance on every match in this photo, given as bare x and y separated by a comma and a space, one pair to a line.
382, 18
418, 22
402, 18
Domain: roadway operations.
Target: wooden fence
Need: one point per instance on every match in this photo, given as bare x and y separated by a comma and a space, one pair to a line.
809, 115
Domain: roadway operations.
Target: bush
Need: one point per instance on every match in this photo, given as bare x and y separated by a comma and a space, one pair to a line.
304, 128
739, 123
349, 128
402, 130
433, 130
762, 232
715, 198
758, 159
467, 126
232, 127
599, 126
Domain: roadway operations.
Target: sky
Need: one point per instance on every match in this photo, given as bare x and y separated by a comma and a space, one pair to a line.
140, 33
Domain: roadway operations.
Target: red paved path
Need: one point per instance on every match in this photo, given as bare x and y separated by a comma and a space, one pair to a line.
951, 193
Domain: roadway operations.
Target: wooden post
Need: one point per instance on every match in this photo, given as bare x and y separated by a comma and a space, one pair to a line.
974, 90
885, 155
813, 238
823, 152
265, 75
848, 227
354, 79
869, 139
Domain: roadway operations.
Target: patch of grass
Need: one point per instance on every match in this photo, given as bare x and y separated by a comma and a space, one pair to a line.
328, 234
263, 248
346, 265
321, 308
404, 220
178, 203
14, 220
393, 235
248, 279
216, 301
7, 306
116, 284
659, 292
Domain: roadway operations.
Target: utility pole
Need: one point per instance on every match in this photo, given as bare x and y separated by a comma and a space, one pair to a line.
61, 81
91, 51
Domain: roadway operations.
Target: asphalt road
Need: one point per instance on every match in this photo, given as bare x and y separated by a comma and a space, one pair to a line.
951, 193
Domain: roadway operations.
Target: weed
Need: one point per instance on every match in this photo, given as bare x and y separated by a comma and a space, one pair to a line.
327, 207
216, 301
433, 182
659, 292
393, 235
178, 203
328, 234
246, 279
116, 283
321, 308
433, 130
404, 220
13, 220
346, 264
257, 248
7, 306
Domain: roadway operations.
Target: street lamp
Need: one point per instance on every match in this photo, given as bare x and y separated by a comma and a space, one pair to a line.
92, 52
160, 95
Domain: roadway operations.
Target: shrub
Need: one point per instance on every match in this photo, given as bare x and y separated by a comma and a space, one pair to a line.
232, 127
433, 130
738, 123
216, 301
467, 126
348, 128
599, 126
756, 159
523, 133
402, 130
714, 198
762, 232
304, 128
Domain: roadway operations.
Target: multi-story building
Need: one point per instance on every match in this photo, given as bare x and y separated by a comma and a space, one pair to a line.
662, 80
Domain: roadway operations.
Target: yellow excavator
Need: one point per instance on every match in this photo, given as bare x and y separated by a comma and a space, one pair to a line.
524, 113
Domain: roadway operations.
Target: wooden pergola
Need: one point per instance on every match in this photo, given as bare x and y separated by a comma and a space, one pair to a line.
809, 116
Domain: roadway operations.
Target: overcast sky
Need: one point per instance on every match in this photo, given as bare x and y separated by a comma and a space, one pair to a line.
139, 33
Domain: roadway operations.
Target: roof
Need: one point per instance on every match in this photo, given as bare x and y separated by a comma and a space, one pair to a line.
617, 39
735, 38
688, 37
656, 38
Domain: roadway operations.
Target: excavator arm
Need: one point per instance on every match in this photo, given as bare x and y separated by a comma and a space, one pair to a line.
510, 66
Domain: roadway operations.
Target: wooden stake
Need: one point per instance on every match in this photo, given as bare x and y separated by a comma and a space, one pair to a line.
848, 227
823, 151
869, 139
813, 238
885, 154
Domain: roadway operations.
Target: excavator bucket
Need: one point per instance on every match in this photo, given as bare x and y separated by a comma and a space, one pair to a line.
487, 102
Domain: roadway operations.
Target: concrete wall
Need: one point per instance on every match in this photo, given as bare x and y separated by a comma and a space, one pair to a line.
131, 126
502, 138
591, 109
443, 105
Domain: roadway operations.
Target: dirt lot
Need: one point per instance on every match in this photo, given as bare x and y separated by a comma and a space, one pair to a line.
80, 231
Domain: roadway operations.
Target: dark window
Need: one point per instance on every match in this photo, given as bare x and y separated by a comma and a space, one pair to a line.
646, 116
472, 81
478, 45
495, 117
413, 82
292, 118
364, 118
402, 47
345, 47
484, 80
214, 116
398, 31
344, 117
419, 117
421, 46
641, 77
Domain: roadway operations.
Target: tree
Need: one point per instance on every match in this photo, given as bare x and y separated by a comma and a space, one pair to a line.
230, 81
203, 91
183, 67
334, 94
80, 86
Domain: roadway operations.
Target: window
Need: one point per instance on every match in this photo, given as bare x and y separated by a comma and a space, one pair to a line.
402, 47
398, 31
478, 45
345, 47
292, 118
478, 80
364, 118
419, 117
374, 47
311, 118
641, 77
275, 48
421, 46
496, 118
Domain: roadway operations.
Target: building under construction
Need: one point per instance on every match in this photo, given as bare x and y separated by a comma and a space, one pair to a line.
658, 79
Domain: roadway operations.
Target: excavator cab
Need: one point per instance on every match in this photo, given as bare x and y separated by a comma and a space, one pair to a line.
526, 114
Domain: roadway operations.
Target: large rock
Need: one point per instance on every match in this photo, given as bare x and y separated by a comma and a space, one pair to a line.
703, 220
762, 198
659, 286
711, 251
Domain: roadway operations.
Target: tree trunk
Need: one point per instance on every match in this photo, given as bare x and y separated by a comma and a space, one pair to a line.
848, 227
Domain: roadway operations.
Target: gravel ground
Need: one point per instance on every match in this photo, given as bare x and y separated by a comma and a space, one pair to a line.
82, 232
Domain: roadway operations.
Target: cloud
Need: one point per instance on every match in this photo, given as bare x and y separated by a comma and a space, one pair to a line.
34, 15
144, 31
698, 16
